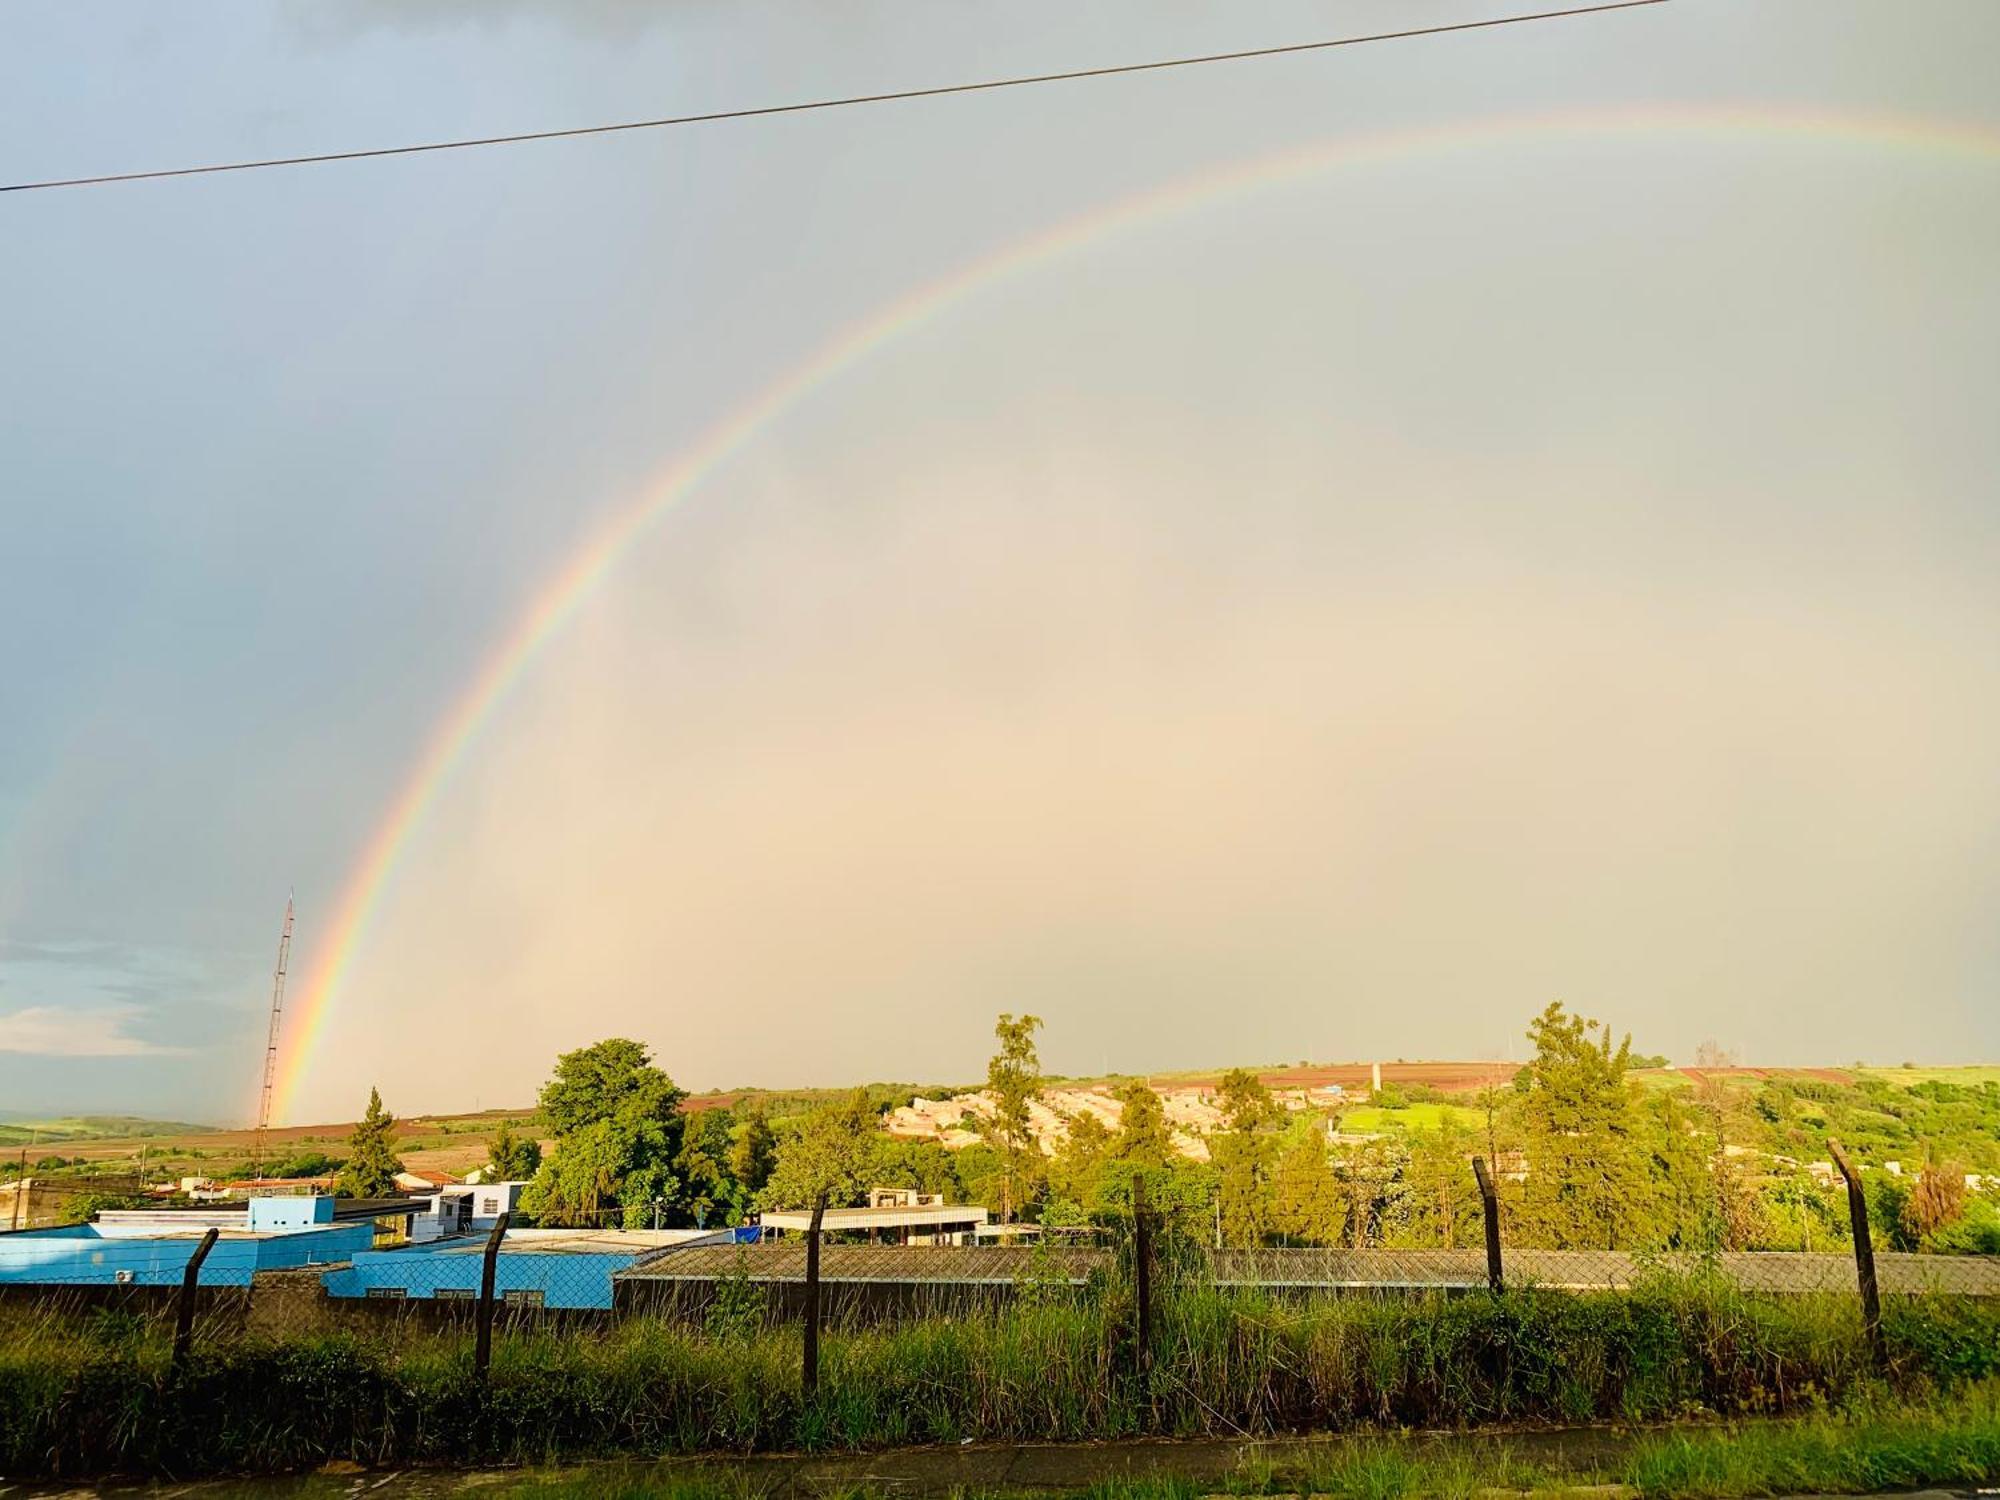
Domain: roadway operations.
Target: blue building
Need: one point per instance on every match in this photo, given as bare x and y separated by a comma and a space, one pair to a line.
570, 1268
152, 1247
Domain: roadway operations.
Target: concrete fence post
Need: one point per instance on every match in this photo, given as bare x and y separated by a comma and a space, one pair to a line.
482, 1349
190, 1279
1864, 1254
809, 1371
1489, 1199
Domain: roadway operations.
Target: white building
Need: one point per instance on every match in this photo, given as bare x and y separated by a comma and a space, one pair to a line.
468, 1208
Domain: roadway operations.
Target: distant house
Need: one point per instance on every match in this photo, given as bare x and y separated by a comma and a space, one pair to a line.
895, 1216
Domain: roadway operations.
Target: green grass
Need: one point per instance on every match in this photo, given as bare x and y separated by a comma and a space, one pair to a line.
1873, 1443
79, 1398
1368, 1118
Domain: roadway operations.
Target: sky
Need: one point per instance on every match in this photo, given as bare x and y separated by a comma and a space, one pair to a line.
1364, 544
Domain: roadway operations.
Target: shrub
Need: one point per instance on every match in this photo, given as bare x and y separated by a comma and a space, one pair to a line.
105, 1399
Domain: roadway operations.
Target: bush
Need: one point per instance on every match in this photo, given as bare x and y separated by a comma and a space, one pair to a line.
106, 1400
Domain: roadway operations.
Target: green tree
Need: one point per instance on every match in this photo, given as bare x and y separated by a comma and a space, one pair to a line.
1441, 1204
1683, 1214
1242, 1154
1076, 1175
619, 1131
825, 1155
707, 1189
605, 1081
1014, 1081
511, 1157
752, 1146
1143, 1133
1306, 1202
372, 1164
1586, 1181
924, 1165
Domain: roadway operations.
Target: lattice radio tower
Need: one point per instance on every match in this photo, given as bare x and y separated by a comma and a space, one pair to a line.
271, 1042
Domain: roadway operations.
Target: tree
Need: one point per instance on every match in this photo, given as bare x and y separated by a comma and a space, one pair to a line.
1936, 1201
701, 1166
511, 1157
751, 1147
372, 1164
1683, 1213
1242, 1157
584, 1182
1441, 1204
605, 1081
1076, 1175
924, 1165
1014, 1080
619, 1132
1712, 1054
825, 1156
1306, 1203
1585, 1187
1143, 1133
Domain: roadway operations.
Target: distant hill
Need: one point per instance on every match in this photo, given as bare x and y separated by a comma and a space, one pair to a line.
92, 1128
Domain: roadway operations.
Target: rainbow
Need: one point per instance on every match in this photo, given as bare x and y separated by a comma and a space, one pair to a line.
560, 598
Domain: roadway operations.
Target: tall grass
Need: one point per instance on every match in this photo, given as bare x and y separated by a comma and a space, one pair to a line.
1872, 1443
81, 1401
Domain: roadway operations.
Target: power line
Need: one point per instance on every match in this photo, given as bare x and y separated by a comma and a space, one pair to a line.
841, 103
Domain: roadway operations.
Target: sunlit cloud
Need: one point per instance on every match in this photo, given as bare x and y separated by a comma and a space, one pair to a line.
46, 1031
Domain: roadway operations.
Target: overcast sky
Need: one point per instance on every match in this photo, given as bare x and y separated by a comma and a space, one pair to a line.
1329, 619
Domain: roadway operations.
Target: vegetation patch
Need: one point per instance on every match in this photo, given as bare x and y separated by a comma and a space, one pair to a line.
1224, 1365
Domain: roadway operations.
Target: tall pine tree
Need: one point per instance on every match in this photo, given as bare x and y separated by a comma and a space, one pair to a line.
372, 1164
1587, 1182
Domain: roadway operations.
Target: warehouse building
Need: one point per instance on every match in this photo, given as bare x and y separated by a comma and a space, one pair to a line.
555, 1268
152, 1247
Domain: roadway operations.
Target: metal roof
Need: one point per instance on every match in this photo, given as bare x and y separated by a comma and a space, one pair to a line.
954, 1265
926, 1216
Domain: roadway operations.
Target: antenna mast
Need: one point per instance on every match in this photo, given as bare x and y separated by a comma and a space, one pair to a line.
271, 1043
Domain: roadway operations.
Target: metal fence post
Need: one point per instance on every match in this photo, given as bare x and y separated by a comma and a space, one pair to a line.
1142, 1278
1489, 1198
809, 1372
190, 1279
1864, 1253
482, 1349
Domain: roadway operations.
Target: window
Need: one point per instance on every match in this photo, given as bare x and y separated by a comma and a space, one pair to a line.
393, 1293
523, 1299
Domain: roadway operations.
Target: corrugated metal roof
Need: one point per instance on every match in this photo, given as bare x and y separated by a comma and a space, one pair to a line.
912, 1264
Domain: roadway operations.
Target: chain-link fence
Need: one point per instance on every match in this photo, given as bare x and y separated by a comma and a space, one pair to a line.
584, 1280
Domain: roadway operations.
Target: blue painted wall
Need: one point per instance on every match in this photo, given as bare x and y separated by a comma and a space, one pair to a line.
564, 1278
80, 1256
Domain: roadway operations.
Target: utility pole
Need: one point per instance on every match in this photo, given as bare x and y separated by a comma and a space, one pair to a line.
271, 1040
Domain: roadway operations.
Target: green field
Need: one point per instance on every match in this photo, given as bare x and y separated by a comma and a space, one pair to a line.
92, 1128
1370, 1118
1970, 1077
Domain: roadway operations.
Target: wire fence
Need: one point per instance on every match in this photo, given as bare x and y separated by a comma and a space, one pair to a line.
506, 1281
